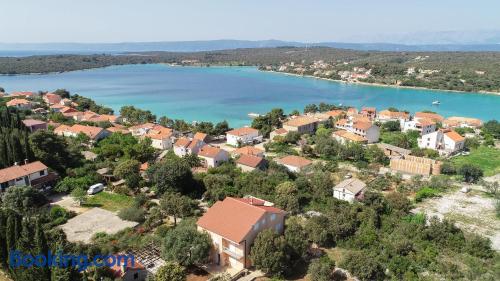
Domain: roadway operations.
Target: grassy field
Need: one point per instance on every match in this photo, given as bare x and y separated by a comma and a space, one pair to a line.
109, 201
488, 158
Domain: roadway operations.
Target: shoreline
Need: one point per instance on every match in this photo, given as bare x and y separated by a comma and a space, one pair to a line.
381, 85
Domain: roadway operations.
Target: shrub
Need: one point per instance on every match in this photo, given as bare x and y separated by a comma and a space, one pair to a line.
426, 192
132, 214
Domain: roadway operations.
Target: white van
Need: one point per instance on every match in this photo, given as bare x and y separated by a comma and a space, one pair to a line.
96, 188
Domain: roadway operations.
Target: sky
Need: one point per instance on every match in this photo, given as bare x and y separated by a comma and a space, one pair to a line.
100, 21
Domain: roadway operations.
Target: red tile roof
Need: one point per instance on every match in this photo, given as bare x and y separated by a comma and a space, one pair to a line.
456, 137
33, 122
182, 142
249, 160
14, 172
294, 161
209, 151
15, 102
349, 136
52, 98
243, 131
433, 116
249, 150
300, 121
233, 218
362, 125
200, 136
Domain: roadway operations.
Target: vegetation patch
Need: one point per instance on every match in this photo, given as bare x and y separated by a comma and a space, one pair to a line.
487, 158
109, 201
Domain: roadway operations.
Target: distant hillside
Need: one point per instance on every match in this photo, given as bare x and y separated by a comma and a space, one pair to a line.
197, 46
462, 71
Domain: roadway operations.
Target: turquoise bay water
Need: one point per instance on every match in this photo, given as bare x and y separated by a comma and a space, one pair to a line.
230, 93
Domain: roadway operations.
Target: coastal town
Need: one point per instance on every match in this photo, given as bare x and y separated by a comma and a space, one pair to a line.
330, 192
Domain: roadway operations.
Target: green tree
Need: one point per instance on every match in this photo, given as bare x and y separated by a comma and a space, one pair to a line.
186, 245
269, 253
171, 271
176, 205
80, 195
321, 269
173, 175
470, 172
287, 197
22, 199
371, 269
129, 171
296, 239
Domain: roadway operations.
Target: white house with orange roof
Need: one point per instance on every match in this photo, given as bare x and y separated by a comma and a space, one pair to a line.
23, 104
241, 136
51, 98
428, 115
233, 225
141, 129
184, 146
213, 156
361, 127
294, 163
94, 133
462, 122
388, 115
248, 163
161, 137
370, 112
34, 174
445, 141
344, 137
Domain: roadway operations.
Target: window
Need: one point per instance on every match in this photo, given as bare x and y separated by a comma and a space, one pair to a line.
256, 226
136, 275
273, 217
278, 227
42, 173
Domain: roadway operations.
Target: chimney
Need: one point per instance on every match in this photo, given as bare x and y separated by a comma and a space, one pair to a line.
251, 200
16, 164
26, 161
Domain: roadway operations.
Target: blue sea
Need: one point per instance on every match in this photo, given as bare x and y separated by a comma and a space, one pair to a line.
230, 93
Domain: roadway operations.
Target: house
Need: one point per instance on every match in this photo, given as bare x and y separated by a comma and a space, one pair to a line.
335, 114
248, 163
387, 115
23, 104
233, 225
27, 95
127, 268
35, 125
34, 174
94, 133
118, 129
423, 125
184, 146
278, 132
462, 122
51, 98
213, 156
294, 163
414, 165
301, 124
241, 136
393, 151
370, 112
141, 129
161, 137
248, 150
429, 115
369, 132
446, 141
349, 189
344, 137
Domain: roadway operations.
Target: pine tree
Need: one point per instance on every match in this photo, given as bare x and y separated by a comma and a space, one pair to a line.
3, 242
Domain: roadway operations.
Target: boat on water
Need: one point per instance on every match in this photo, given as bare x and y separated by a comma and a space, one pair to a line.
436, 102
253, 115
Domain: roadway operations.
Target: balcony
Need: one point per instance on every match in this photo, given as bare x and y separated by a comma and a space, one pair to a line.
232, 253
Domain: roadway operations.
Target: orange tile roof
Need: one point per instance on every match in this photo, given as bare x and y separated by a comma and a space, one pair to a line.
249, 150
142, 126
14, 102
455, 121
362, 125
349, 136
233, 219
281, 131
14, 172
342, 122
334, 113
115, 129
300, 121
182, 142
426, 122
194, 143
118, 266
22, 94
394, 114
90, 131
456, 137
243, 131
433, 116
369, 109
52, 98
294, 161
249, 160
359, 117
209, 151
33, 122
200, 136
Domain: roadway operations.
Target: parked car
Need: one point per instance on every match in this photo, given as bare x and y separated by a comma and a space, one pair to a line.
96, 188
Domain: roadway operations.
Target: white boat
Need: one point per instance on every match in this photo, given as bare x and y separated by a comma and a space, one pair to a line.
253, 115
436, 102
